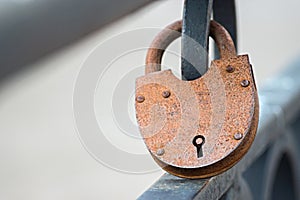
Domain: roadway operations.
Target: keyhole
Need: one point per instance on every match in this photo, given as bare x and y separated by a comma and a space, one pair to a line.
198, 141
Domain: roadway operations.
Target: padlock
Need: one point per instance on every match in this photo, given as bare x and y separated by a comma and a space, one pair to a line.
199, 128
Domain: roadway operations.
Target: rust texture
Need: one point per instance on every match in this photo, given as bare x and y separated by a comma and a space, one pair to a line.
172, 32
216, 107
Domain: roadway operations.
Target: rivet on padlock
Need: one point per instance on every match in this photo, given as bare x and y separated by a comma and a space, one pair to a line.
199, 128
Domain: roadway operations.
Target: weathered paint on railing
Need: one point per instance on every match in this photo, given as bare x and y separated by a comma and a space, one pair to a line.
271, 169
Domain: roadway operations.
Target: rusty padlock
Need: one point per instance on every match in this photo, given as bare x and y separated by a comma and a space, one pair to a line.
199, 128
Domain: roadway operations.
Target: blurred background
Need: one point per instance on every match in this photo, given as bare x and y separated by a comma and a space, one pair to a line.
42, 156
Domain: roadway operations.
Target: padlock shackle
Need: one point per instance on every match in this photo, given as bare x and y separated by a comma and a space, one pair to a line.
157, 48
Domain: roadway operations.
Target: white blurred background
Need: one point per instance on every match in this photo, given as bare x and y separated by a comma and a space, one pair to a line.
41, 154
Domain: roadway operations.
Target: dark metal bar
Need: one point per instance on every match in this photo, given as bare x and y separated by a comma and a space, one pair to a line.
224, 13
31, 29
196, 18
164, 188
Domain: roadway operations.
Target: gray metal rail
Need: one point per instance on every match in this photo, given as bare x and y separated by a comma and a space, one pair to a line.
270, 170
31, 29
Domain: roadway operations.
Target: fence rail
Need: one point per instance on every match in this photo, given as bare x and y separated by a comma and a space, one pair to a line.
31, 29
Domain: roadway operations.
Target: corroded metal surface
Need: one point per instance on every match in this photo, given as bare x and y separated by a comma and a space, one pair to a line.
221, 107
170, 33
278, 134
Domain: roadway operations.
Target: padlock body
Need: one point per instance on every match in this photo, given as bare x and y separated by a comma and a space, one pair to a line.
222, 106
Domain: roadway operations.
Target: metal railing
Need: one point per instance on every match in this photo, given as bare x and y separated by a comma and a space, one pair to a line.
32, 29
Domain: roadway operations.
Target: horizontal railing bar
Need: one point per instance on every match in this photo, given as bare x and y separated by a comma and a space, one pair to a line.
31, 29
